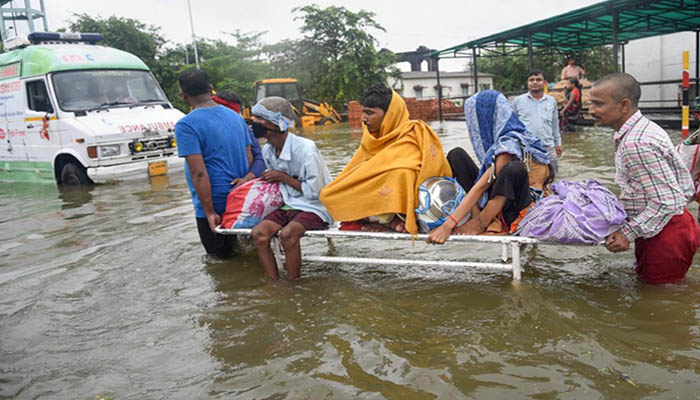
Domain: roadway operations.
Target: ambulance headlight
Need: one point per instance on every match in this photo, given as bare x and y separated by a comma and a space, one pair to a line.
110, 150
136, 146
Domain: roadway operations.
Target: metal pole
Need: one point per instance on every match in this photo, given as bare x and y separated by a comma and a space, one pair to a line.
697, 64
529, 52
616, 45
439, 87
623, 57
30, 15
43, 15
685, 85
194, 38
3, 28
475, 70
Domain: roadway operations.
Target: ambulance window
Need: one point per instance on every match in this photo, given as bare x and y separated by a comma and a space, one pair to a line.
38, 97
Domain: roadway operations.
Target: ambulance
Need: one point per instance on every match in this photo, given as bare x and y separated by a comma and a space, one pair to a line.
73, 112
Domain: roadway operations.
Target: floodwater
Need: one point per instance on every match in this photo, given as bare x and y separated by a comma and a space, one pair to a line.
107, 292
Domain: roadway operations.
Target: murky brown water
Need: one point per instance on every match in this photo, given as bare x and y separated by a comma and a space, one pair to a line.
107, 292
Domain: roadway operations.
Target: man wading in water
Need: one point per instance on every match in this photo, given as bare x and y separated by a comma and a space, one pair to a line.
655, 184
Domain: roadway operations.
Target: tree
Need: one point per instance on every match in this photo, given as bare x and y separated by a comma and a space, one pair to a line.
337, 58
229, 66
235, 66
130, 35
510, 72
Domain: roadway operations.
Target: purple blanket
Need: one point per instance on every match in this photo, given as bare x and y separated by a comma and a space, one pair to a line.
575, 212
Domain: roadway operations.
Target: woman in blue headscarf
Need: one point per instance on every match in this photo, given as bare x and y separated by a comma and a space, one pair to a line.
514, 170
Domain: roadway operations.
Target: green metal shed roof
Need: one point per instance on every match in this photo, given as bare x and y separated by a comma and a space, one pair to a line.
593, 26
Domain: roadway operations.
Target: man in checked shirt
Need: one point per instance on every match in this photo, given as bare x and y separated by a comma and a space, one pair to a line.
655, 184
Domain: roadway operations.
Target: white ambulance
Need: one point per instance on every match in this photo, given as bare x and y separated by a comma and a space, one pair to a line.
74, 112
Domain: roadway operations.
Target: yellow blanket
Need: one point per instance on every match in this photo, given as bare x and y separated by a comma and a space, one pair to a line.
384, 174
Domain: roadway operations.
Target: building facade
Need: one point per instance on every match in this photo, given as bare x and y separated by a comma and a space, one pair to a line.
423, 84
660, 58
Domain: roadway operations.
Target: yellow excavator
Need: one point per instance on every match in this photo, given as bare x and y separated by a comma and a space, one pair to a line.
308, 112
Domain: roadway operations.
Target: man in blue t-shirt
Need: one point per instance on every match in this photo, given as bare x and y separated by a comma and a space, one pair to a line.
217, 148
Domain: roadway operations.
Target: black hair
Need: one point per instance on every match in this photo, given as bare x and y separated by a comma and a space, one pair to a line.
376, 95
624, 86
575, 82
537, 72
194, 82
230, 96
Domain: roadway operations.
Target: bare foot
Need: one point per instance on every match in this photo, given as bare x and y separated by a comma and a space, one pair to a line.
472, 227
398, 225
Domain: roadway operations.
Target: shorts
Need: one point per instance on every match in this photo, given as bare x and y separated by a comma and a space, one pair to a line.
308, 220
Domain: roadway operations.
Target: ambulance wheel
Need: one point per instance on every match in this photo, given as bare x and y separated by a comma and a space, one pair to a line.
72, 174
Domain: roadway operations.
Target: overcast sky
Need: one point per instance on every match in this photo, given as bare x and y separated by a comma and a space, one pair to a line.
437, 24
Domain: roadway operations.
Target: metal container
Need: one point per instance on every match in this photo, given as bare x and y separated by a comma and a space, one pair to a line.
438, 197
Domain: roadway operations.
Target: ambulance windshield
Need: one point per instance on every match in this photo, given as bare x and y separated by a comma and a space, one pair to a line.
88, 90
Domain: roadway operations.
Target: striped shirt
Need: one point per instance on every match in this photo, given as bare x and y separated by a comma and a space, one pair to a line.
655, 183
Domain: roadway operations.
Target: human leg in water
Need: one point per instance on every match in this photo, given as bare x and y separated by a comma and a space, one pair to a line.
262, 234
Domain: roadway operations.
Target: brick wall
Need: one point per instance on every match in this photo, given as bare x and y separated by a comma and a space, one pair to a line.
427, 110
355, 114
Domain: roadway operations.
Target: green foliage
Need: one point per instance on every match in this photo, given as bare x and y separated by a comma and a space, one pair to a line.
230, 66
337, 57
335, 60
126, 34
510, 72
235, 67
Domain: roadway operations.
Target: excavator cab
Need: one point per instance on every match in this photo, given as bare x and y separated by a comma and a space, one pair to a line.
286, 88
308, 112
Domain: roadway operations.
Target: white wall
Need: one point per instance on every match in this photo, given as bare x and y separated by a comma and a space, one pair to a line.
660, 58
451, 86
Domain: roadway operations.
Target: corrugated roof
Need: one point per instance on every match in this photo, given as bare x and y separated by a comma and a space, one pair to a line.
593, 26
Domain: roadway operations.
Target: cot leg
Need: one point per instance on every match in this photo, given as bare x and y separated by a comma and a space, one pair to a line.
277, 251
504, 252
517, 268
331, 246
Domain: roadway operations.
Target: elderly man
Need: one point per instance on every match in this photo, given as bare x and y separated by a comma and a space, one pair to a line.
298, 166
655, 184
538, 111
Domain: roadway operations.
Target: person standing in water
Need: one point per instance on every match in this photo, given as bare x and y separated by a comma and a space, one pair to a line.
655, 184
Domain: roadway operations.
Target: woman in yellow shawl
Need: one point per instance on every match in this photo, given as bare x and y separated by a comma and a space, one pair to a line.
395, 156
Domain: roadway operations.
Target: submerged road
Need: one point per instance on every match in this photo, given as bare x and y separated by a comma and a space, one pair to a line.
106, 292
